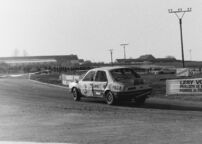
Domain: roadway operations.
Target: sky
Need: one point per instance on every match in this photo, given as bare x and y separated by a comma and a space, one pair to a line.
89, 28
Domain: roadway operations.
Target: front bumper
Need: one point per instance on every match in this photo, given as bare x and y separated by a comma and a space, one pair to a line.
133, 94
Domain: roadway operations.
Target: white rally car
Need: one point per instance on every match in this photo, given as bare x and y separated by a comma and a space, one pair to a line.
113, 84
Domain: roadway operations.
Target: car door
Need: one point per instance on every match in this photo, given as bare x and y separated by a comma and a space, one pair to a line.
86, 84
99, 84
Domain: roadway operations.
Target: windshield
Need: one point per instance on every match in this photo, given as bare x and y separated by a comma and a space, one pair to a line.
123, 74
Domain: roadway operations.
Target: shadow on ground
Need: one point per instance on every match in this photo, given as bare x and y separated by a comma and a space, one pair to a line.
171, 107
154, 104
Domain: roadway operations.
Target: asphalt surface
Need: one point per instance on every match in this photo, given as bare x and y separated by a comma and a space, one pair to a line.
34, 112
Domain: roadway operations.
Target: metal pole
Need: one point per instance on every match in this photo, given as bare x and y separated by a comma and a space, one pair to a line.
180, 21
111, 53
190, 54
124, 49
124, 52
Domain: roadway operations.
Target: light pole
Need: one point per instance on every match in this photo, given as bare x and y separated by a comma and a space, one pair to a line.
190, 54
180, 22
111, 53
124, 49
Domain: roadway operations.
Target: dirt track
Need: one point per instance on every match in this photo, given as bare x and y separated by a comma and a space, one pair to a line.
30, 111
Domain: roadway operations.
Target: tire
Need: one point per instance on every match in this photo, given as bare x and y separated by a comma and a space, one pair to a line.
109, 98
140, 101
76, 94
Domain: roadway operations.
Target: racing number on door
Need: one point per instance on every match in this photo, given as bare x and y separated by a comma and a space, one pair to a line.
99, 84
87, 84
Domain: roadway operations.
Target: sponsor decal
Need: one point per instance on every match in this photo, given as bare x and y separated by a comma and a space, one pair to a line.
97, 86
85, 89
98, 93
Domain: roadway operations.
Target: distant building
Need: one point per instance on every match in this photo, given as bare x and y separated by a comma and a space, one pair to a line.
145, 59
81, 61
132, 61
61, 60
28, 62
148, 57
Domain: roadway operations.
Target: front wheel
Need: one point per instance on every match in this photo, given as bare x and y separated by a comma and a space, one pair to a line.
110, 99
76, 94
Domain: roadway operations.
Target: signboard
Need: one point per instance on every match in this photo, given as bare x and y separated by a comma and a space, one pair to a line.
66, 79
183, 72
184, 86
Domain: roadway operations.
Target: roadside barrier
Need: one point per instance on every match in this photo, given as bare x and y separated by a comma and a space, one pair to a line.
184, 86
66, 79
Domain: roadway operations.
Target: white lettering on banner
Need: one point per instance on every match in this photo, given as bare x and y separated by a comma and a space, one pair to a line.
184, 86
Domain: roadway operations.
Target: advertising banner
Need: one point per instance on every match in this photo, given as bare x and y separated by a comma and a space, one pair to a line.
66, 79
184, 86
183, 72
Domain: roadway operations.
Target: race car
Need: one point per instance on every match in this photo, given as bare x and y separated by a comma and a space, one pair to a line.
113, 84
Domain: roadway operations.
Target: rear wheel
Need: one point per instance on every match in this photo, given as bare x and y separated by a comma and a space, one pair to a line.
110, 99
76, 94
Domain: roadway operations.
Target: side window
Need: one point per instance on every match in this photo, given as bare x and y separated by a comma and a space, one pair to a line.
101, 76
89, 76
